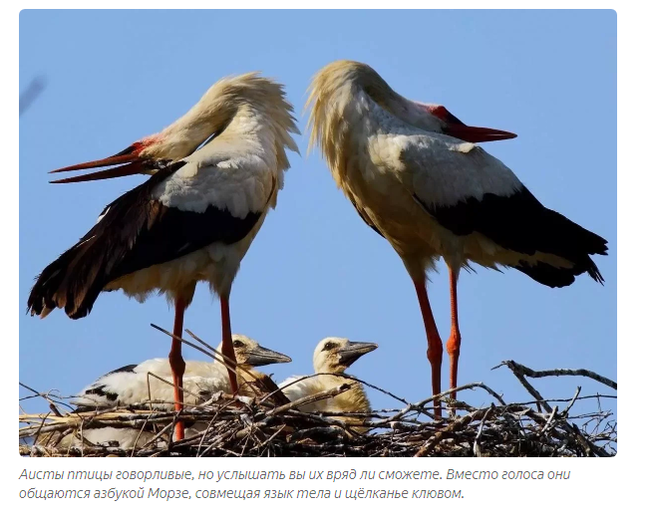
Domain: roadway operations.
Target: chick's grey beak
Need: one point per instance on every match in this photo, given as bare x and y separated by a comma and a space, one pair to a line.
261, 356
354, 350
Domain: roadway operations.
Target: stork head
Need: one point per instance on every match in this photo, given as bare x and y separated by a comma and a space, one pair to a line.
249, 353
208, 118
337, 86
336, 354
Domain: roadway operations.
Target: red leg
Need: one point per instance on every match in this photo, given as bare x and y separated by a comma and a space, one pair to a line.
453, 343
177, 364
228, 350
434, 348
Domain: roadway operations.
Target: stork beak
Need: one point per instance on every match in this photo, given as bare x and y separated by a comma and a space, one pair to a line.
261, 356
354, 350
476, 134
129, 158
456, 128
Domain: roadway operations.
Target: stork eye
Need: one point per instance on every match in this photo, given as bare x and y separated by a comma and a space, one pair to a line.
329, 346
238, 343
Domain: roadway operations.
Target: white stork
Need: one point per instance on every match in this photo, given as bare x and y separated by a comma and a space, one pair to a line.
216, 172
148, 382
415, 176
332, 355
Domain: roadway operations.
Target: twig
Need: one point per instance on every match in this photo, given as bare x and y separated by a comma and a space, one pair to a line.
520, 374
558, 373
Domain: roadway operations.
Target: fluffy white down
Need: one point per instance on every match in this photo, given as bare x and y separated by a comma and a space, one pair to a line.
327, 362
151, 380
200, 382
312, 385
305, 387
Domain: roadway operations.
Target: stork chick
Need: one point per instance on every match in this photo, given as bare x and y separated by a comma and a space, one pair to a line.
149, 381
332, 355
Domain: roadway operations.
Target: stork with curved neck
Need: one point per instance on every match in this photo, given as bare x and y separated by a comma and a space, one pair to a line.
216, 173
415, 176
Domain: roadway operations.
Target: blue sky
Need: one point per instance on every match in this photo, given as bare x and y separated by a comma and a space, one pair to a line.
315, 269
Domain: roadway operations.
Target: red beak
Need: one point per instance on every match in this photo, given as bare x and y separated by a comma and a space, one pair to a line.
456, 128
129, 158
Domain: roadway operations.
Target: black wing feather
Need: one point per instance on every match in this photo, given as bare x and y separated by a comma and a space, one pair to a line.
521, 223
135, 232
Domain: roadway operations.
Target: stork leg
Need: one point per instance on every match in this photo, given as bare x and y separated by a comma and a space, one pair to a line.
177, 363
453, 343
228, 350
434, 343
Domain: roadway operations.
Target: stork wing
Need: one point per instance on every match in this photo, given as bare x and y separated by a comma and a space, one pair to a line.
443, 171
151, 380
106, 390
467, 190
180, 209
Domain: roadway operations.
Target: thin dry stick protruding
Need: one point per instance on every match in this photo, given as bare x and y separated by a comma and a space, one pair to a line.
151, 401
476, 447
550, 419
184, 341
228, 362
558, 373
47, 397
218, 356
514, 367
324, 395
566, 410
201, 341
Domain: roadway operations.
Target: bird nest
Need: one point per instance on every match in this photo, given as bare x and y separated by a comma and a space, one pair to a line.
254, 427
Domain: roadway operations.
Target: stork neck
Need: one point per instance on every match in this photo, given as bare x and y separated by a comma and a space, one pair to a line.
250, 122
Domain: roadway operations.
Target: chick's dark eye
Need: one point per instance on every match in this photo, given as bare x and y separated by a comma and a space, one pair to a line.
328, 346
237, 343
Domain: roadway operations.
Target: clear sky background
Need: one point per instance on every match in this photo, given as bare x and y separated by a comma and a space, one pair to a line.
315, 269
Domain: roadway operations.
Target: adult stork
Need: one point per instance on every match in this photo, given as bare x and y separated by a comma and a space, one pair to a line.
216, 172
415, 176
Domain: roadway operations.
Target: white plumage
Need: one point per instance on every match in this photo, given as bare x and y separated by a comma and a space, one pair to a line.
414, 175
149, 385
332, 356
216, 173
150, 382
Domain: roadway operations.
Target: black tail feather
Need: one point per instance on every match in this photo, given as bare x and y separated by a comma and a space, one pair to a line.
135, 232
520, 223
73, 281
68, 283
552, 276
